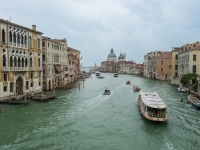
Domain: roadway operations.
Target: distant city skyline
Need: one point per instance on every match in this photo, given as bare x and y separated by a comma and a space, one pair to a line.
94, 27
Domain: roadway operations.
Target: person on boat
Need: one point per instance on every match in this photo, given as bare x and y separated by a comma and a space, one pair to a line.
105, 91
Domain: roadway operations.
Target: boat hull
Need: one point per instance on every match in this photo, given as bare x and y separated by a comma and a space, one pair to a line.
106, 93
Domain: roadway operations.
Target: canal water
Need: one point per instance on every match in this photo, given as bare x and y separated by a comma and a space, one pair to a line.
87, 120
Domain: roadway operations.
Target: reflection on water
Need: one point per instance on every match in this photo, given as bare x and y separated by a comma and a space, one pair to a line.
87, 119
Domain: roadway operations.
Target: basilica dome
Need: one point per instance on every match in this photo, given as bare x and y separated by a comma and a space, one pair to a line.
120, 57
111, 54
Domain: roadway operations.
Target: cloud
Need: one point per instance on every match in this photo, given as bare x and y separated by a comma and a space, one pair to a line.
134, 27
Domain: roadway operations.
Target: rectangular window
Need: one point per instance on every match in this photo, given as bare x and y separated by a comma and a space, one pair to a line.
27, 84
5, 88
31, 75
176, 74
161, 69
43, 44
52, 45
39, 74
32, 84
162, 62
43, 57
4, 77
176, 67
194, 57
194, 69
48, 44
39, 83
176, 57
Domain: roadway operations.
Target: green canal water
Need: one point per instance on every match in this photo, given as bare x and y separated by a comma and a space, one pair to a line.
87, 120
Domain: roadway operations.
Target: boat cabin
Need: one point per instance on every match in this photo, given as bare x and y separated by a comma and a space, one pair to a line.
97, 73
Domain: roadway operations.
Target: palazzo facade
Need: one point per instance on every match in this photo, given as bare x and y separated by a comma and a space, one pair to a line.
21, 59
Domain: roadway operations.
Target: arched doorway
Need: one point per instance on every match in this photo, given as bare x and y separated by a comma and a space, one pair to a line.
49, 85
19, 86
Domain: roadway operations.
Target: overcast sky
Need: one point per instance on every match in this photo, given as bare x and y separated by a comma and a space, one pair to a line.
134, 27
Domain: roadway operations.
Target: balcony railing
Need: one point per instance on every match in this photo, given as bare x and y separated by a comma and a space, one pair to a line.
32, 68
58, 74
59, 63
39, 68
15, 68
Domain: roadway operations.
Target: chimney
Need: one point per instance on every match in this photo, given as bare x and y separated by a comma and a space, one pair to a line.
34, 27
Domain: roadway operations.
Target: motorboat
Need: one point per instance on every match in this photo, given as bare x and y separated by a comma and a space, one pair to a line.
152, 107
106, 92
194, 100
181, 89
136, 89
115, 74
128, 82
97, 73
100, 77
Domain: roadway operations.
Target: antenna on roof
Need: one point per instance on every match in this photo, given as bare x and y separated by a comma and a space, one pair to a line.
10, 19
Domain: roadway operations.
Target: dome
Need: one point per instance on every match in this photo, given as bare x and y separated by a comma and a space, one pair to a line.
112, 54
120, 57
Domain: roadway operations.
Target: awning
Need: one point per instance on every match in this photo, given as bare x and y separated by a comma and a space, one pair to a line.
58, 68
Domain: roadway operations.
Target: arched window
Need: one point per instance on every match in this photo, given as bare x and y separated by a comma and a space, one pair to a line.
19, 62
14, 38
18, 39
38, 43
26, 62
15, 62
31, 65
3, 36
22, 62
11, 61
30, 40
10, 36
22, 39
25, 40
4, 61
38, 62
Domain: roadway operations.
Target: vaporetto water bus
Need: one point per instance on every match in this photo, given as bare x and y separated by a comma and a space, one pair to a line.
115, 74
152, 106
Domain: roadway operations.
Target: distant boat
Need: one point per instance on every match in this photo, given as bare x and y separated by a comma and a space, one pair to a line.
100, 77
181, 89
136, 89
194, 100
106, 92
97, 73
115, 74
152, 106
128, 82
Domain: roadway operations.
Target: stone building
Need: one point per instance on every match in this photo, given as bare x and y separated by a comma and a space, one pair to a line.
21, 61
74, 66
188, 59
54, 63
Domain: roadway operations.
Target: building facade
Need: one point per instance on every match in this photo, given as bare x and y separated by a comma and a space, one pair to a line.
54, 63
188, 61
21, 61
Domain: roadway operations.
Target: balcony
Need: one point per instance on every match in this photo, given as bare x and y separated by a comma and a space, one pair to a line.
15, 68
59, 63
58, 74
39, 68
32, 68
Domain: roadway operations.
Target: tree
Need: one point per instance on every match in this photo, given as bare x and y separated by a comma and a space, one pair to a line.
185, 80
